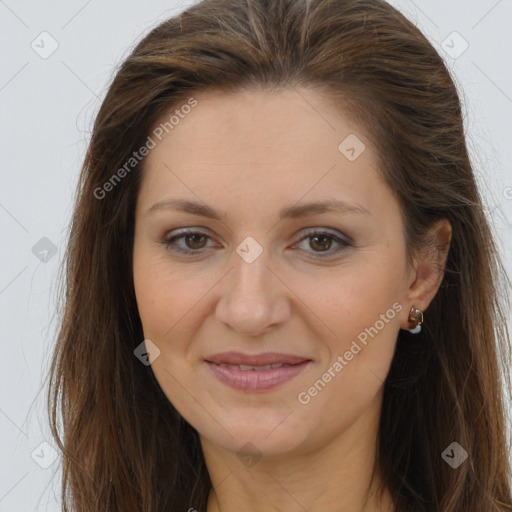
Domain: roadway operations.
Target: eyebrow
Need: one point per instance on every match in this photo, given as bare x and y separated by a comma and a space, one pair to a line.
294, 211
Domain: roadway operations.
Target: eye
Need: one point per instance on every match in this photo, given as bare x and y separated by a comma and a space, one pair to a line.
194, 241
322, 241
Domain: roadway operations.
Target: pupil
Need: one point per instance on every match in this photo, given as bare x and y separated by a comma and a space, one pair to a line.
194, 238
325, 238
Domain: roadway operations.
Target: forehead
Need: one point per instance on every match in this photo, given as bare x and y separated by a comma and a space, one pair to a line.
260, 147
242, 124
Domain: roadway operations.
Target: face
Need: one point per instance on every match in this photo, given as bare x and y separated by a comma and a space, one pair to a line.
253, 276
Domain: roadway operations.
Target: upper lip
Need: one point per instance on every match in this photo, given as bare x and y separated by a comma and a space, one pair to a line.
255, 359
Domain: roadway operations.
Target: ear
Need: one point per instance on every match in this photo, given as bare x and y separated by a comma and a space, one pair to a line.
427, 271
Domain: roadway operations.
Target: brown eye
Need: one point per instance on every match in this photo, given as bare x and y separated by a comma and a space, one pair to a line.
195, 240
191, 242
320, 242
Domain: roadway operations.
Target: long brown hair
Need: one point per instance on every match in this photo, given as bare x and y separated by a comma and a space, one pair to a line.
124, 445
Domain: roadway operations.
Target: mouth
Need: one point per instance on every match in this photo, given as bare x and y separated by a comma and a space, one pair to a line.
256, 373
253, 367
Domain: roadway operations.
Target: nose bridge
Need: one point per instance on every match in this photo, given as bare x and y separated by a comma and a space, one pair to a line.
251, 300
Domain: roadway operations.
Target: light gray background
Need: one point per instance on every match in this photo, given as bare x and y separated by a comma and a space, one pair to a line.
47, 109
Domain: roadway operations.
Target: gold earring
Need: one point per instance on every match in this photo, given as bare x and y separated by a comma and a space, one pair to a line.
415, 319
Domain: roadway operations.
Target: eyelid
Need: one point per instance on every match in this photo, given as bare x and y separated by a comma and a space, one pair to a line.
341, 239
181, 233
344, 242
327, 231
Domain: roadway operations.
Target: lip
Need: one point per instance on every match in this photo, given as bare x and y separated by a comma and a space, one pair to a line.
256, 380
255, 359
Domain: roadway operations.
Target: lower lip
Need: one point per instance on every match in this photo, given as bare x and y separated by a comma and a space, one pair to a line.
256, 380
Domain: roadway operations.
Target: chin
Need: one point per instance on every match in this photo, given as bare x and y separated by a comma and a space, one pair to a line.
269, 436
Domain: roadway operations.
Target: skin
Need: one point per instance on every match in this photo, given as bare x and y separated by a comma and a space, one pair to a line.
248, 154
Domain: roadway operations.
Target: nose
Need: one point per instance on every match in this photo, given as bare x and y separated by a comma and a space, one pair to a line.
253, 298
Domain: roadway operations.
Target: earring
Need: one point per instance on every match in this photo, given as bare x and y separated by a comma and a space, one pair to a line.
415, 319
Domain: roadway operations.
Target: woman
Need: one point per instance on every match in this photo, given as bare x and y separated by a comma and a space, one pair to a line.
281, 289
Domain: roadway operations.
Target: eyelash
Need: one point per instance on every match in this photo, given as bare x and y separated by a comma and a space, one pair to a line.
345, 243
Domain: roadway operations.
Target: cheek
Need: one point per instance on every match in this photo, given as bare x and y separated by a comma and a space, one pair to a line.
355, 297
362, 309
168, 295
361, 306
158, 293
